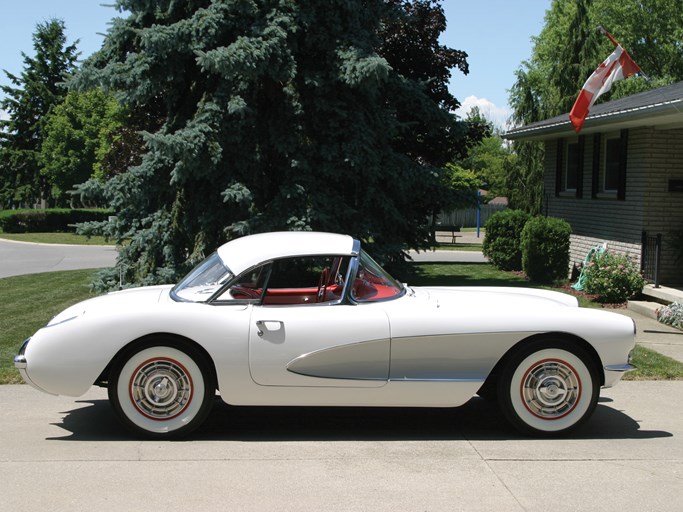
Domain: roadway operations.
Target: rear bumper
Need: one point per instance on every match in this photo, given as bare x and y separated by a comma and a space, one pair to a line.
614, 373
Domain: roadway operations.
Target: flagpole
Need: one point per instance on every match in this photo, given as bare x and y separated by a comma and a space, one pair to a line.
609, 36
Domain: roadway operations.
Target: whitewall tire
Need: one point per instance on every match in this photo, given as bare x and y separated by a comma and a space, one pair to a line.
162, 391
549, 388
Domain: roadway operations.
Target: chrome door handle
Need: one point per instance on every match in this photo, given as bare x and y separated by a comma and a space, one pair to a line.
268, 325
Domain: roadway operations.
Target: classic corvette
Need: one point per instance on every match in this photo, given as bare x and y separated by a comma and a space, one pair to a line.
302, 318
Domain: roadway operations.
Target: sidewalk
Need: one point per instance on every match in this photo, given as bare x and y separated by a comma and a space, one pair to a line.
655, 335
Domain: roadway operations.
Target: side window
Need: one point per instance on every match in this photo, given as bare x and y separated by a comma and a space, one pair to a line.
307, 280
249, 285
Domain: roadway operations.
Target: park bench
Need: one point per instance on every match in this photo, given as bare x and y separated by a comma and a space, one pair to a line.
453, 231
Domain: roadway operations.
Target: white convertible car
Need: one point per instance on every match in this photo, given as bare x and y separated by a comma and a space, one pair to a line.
301, 318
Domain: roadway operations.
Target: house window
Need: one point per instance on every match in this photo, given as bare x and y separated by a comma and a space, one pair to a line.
612, 164
571, 175
569, 167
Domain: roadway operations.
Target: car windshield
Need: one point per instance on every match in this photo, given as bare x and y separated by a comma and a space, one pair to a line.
200, 284
373, 283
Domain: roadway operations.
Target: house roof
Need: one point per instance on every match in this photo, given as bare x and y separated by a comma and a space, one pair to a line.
662, 107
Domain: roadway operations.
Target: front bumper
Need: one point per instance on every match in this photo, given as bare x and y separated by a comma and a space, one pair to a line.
20, 358
21, 364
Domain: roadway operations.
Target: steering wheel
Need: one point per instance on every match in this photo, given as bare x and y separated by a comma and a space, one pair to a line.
249, 293
322, 284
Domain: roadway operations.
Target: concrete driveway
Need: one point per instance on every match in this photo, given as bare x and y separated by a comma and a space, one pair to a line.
18, 258
64, 454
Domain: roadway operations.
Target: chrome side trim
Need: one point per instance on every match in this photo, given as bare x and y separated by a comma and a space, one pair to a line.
622, 368
367, 360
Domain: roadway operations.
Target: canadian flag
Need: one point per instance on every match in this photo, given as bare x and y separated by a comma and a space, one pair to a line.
617, 66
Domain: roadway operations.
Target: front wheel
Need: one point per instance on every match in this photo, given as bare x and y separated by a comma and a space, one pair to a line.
162, 391
549, 388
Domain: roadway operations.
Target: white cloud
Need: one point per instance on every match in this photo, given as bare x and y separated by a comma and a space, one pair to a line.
495, 114
4, 116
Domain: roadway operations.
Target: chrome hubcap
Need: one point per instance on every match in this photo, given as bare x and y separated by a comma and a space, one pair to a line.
551, 389
161, 388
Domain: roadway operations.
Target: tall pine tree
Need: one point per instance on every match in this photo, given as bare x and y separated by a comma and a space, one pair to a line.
27, 102
278, 115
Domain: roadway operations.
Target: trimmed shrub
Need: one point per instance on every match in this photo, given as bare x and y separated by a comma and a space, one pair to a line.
671, 315
502, 240
613, 277
545, 249
49, 220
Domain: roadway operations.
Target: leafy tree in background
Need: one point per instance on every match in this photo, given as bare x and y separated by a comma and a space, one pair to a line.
77, 137
272, 115
568, 50
27, 102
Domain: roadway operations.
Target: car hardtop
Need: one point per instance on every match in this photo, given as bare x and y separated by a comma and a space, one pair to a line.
248, 251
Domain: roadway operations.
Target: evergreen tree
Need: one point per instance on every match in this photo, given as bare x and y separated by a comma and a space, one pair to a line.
27, 102
278, 115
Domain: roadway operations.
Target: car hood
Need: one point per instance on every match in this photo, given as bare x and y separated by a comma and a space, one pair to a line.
132, 298
494, 298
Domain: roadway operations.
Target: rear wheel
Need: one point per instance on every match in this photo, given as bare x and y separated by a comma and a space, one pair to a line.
163, 390
548, 388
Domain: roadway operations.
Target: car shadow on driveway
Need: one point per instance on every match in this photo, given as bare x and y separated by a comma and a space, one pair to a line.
476, 420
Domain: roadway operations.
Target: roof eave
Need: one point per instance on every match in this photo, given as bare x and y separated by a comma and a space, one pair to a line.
666, 114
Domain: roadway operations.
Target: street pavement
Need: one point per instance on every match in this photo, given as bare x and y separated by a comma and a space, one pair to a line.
66, 454
18, 258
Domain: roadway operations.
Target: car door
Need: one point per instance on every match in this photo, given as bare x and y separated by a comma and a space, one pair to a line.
301, 334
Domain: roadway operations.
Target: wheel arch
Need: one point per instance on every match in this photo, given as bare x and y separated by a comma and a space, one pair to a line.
166, 338
490, 382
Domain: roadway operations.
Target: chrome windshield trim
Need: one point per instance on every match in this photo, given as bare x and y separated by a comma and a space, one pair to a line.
355, 250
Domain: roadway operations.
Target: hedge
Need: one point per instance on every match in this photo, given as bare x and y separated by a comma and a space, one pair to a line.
48, 220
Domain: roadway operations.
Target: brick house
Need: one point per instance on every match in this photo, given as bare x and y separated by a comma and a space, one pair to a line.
621, 180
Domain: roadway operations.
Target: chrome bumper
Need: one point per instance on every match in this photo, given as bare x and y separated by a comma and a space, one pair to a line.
620, 368
20, 364
20, 358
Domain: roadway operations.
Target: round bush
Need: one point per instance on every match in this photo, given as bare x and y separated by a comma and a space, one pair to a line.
614, 278
502, 240
545, 249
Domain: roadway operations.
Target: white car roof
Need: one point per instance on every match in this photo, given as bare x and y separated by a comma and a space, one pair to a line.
245, 252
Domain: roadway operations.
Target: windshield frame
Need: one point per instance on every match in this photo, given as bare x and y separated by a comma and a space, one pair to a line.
212, 263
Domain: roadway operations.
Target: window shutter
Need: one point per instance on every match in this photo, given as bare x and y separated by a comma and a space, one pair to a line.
558, 168
595, 177
621, 191
579, 172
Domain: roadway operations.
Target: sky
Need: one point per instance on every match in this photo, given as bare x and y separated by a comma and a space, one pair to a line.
496, 34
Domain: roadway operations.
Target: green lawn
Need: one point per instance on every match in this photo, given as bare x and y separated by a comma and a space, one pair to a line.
28, 302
